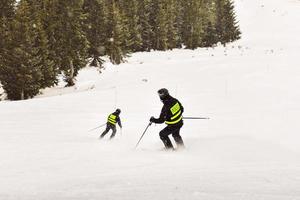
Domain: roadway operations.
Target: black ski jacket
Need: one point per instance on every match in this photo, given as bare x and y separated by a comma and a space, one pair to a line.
166, 113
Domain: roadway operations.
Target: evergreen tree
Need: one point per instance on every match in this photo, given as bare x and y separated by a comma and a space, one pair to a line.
219, 9
208, 17
68, 42
171, 24
6, 16
226, 26
125, 34
21, 73
7, 8
49, 70
159, 24
231, 29
96, 23
144, 12
210, 36
193, 29
179, 21
130, 9
7, 12
116, 44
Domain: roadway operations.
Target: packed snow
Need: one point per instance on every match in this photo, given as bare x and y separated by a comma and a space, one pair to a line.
248, 149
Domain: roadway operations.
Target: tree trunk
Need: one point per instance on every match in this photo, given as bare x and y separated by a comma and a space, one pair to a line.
70, 78
22, 95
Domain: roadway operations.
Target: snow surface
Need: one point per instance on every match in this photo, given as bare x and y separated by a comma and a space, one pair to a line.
248, 150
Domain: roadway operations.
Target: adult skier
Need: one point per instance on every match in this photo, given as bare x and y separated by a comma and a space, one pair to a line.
112, 119
171, 114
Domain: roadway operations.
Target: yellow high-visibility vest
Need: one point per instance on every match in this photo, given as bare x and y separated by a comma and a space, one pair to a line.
112, 119
176, 114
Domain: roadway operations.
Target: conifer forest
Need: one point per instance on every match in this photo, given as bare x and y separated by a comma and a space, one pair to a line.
42, 39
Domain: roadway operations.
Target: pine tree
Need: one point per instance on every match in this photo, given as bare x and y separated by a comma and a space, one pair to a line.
193, 29
7, 12
210, 36
180, 5
171, 24
219, 8
116, 44
49, 69
68, 42
130, 10
21, 75
7, 8
144, 12
208, 16
95, 28
159, 24
231, 29
124, 22
226, 25
6, 15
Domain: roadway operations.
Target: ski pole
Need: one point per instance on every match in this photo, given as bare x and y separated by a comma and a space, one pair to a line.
97, 127
195, 118
143, 134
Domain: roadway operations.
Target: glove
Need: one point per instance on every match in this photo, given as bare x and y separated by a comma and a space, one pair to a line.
152, 119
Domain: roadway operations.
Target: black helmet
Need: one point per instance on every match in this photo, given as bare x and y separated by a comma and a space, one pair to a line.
118, 111
163, 93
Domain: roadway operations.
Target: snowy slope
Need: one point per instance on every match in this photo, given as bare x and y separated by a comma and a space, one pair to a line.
249, 149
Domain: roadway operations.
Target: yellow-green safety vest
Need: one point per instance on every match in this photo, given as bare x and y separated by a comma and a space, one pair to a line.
112, 119
176, 114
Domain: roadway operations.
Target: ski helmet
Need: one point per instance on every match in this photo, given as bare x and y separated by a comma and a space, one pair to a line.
163, 92
118, 111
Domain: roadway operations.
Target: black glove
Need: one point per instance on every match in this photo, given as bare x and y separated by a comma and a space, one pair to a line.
152, 119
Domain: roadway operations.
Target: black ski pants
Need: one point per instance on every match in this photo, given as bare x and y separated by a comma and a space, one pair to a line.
175, 131
109, 127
